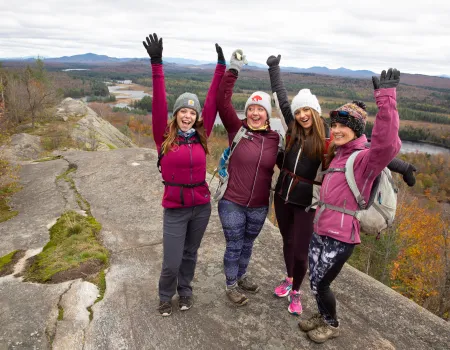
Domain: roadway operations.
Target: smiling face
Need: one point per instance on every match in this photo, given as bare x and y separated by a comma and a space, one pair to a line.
186, 118
256, 116
342, 133
304, 117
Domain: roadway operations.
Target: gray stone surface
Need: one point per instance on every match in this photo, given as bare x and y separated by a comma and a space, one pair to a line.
39, 203
22, 147
124, 191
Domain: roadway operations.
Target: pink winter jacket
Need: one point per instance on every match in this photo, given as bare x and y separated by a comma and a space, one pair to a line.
185, 164
368, 165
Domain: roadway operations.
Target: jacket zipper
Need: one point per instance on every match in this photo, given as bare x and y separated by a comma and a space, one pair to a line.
257, 168
295, 169
192, 190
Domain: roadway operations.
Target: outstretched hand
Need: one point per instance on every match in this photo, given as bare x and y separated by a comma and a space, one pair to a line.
220, 56
409, 177
154, 48
237, 60
387, 80
273, 61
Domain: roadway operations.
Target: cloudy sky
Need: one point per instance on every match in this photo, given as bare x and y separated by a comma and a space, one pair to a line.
413, 36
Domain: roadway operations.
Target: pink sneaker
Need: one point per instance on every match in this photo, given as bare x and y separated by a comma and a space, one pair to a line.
284, 288
295, 306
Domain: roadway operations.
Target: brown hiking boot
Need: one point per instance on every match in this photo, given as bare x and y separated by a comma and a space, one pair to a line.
247, 285
324, 332
311, 323
236, 296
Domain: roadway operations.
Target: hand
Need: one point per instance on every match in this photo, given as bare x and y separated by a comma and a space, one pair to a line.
237, 60
220, 56
154, 48
387, 80
273, 61
408, 177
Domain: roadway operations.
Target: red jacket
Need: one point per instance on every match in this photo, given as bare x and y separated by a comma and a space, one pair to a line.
186, 163
251, 166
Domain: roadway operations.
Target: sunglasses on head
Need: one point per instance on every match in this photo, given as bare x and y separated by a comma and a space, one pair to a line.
339, 113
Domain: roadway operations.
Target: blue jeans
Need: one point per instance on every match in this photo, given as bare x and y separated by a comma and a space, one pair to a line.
241, 226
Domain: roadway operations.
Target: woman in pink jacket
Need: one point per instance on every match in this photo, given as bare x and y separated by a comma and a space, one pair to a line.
182, 149
336, 232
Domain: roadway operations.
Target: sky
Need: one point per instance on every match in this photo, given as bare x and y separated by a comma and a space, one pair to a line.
412, 36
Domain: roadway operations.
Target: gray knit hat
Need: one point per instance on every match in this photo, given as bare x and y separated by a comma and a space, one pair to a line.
187, 100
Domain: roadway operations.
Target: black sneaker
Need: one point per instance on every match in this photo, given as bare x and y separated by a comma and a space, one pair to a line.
185, 303
165, 308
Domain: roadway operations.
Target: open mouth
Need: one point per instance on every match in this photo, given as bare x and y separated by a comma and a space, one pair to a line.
186, 122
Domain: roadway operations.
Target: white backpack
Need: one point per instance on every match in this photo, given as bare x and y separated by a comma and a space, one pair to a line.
379, 213
374, 216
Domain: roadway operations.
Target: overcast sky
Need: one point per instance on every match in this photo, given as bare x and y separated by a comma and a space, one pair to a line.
413, 36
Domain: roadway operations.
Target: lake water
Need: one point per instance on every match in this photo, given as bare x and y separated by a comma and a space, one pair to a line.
407, 146
125, 94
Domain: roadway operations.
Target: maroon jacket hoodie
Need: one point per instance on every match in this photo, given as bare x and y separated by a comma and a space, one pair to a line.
186, 163
251, 165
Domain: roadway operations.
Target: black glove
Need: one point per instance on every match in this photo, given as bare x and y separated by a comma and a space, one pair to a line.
408, 176
154, 48
220, 56
273, 61
387, 80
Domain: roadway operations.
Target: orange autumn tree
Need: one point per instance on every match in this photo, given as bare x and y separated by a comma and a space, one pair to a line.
420, 268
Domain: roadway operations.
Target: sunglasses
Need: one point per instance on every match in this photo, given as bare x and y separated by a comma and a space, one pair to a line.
339, 114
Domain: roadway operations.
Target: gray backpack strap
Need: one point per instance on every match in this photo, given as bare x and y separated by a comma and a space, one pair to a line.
350, 176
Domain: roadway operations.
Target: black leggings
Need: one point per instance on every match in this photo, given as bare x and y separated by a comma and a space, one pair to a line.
327, 256
296, 228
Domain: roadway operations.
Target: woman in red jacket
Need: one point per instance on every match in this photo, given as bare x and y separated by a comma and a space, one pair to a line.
244, 206
182, 149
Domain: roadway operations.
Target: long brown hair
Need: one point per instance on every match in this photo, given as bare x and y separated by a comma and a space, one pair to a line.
330, 154
171, 135
314, 138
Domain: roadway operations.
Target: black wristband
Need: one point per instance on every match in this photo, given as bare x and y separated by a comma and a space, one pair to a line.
234, 71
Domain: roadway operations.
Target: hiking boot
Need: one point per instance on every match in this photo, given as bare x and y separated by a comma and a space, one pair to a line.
324, 332
247, 285
185, 303
236, 296
295, 306
311, 323
283, 289
165, 308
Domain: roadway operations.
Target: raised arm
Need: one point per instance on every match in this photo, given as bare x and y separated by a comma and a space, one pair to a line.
154, 49
406, 169
227, 112
277, 86
210, 109
385, 143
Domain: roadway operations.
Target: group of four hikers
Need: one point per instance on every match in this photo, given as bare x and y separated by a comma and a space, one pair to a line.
324, 242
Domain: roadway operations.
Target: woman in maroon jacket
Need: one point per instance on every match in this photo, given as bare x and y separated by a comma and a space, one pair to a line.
182, 150
244, 206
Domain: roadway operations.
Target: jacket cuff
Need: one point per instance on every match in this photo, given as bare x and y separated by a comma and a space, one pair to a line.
390, 92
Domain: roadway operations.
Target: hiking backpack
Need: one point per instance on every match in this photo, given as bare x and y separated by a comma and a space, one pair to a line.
222, 167
375, 215
379, 213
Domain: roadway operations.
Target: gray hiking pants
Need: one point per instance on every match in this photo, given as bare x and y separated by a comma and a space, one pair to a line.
182, 234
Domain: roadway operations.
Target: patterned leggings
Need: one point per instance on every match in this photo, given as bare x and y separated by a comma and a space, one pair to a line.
241, 226
327, 256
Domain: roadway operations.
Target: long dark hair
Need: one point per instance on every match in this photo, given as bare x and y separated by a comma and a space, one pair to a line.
312, 140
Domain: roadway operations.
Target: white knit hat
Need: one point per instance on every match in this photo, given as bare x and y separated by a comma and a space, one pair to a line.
305, 98
260, 98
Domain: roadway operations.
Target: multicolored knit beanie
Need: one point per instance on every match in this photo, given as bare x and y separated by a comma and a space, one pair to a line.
353, 115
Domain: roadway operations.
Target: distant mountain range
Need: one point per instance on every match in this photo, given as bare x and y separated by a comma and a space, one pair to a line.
92, 58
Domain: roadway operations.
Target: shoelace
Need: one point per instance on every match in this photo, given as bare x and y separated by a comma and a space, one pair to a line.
285, 283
